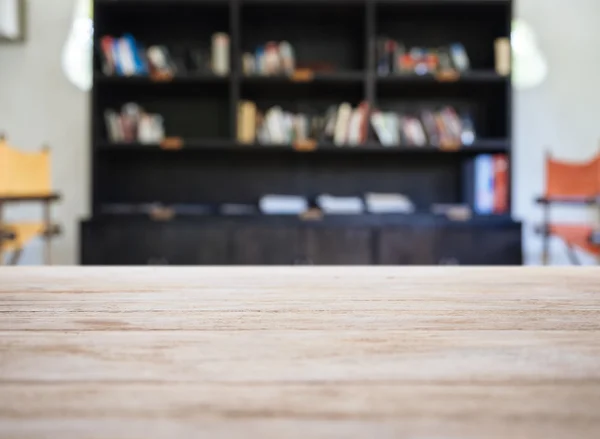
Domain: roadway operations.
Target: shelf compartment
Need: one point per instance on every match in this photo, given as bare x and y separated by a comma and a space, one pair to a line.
320, 32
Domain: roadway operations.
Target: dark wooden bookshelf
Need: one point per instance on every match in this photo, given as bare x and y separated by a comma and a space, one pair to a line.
211, 167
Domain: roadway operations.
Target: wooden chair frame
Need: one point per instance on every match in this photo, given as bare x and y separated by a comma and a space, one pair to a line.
18, 184
591, 199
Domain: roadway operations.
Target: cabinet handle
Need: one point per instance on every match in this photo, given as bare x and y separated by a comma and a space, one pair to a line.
448, 261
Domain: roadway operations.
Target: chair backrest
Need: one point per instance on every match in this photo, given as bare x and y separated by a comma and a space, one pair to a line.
572, 180
24, 173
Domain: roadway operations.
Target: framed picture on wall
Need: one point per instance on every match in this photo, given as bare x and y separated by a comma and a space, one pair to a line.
12, 20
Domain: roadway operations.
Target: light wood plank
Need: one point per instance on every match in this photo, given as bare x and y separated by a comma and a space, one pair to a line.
294, 352
343, 410
299, 355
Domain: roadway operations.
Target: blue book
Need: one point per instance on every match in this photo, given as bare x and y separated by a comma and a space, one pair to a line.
134, 50
259, 60
484, 184
117, 57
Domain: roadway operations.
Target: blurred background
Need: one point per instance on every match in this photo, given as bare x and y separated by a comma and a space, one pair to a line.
299, 132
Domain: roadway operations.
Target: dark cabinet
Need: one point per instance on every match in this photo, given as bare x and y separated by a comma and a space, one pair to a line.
236, 242
406, 245
338, 246
260, 245
451, 244
188, 244
153, 243
123, 243
459, 245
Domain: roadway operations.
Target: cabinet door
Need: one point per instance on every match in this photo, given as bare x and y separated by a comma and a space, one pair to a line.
339, 246
479, 246
261, 245
500, 246
189, 244
406, 245
123, 243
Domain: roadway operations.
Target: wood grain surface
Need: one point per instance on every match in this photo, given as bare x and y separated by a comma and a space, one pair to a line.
416, 353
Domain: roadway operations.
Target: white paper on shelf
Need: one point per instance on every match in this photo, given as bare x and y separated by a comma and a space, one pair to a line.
283, 205
340, 205
388, 203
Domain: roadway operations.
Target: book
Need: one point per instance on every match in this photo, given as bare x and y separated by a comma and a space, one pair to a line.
134, 124
220, 53
246, 120
341, 125
459, 57
283, 204
378, 203
484, 184
502, 53
287, 57
501, 179
333, 205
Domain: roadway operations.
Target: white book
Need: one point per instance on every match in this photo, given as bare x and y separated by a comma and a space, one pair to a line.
283, 205
340, 205
388, 203
354, 127
220, 53
484, 184
288, 127
379, 122
341, 125
126, 57
275, 125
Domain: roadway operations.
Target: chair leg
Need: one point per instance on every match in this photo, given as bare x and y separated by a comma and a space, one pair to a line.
14, 259
546, 236
48, 234
572, 255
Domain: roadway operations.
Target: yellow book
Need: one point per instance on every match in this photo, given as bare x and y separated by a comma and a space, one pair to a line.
246, 122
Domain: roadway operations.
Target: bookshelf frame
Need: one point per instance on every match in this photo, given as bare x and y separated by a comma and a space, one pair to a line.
136, 173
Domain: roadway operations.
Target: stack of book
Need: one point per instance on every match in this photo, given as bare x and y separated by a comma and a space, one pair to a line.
374, 203
485, 185
393, 57
341, 124
440, 128
125, 56
271, 59
133, 124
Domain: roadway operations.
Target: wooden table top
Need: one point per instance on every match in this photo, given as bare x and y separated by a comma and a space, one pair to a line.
419, 353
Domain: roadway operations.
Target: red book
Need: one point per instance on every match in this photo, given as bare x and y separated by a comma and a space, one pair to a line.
106, 46
500, 184
364, 121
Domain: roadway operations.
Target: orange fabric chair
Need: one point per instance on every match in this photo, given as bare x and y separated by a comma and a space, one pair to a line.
576, 184
24, 176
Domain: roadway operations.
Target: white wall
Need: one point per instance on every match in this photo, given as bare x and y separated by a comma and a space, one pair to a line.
563, 113
38, 105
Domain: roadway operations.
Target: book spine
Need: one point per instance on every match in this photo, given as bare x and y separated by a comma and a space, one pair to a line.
116, 57
106, 55
220, 53
502, 55
484, 184
500, 184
